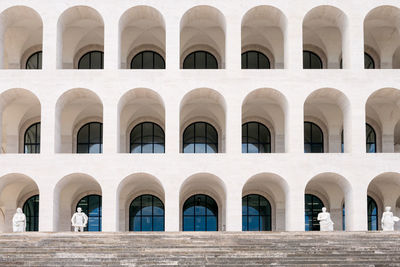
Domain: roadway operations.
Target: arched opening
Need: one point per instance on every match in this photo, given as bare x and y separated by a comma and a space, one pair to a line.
200, 137
326, 113
73, 191
256, 138
142, 38
32, 139
15, 191
200, 60
262, 38
31, 211
273, 189
80, 30
90, 138
206, 108
203, 28
313, 138
91, 60
200, 213
383, 116
139, 106
383, 191
328, 190
34, 61
75, 109
267, 107
19, 109
140, 205
369, 62
146, 213
21, 31
323, 31
202, 203
382, 37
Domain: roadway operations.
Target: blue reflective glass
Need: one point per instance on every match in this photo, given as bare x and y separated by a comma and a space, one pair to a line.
202, 212
146, 213
200, 223
91, 206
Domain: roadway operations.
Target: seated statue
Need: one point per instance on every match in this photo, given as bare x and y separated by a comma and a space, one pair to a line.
388, 220
19, 221
325, 221
79, 220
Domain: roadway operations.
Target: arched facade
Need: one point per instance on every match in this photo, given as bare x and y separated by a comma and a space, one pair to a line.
80, 30
21, 31
19, 109
196, 35
74, 109
68, 192
204, 105
141, 28
263, 31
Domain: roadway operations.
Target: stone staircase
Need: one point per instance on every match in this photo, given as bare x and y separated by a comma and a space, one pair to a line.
201, 249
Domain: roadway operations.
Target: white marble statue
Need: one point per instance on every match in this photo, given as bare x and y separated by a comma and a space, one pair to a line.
325, 221
19, 221
79, 220
388, 220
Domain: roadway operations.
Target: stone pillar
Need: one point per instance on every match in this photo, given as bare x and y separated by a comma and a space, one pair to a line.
354, 127
388, 142
353, 42
233, 214
172, 124
233, 40
172, 206
110, 125
233, 131
47, 126
293, 42
47, 204
294, 129
294, 208
172, 43
50, 43
112, 43
356, 208
109, 205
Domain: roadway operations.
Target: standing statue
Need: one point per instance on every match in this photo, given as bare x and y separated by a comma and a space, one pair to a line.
325, 221
79, 220
19, 221
388, 220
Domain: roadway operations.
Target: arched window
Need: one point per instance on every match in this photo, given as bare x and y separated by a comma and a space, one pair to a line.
32, 139
34, 61
343, 218
368, 62
342, 142
372, 215
31, 211
91, 206
90, 138
311, 60
371, 139
200, 137
147, 137
146, 213
313, 138
256, 213
255, 60
148, 60
200, 213
256, 138
313, 206
91, 60
200, 60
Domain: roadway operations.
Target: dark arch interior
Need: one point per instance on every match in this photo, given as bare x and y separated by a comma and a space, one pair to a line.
200, 60
146, 213
200, 213
91, 206
256, 213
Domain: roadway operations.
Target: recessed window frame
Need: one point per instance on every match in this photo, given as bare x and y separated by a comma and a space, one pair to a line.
31, 211
310, 54
85, 210
141, 144
141, 54
88, 143
312, 225
90, 54
312, 143
205, 215
245, 138
246, 215
141, 216
245, 57
207, 126
38, 62
196, 54
35, 143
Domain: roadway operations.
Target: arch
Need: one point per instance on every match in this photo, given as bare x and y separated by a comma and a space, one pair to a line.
324, 29
21, 28
75, 108
147, 59
200, 60
382, 111
267, 106
200, 137
147, 137
91, 205
137, 106
34, 61
18, 107
332, 189
256, 213
90, 138
256, 138
32, 139
200, 213
273, 188
384, 189
31, 211
253, 59
141, 28
131, 187
381, 33
146, 213
263, 31
15, 188
311, 60
205, 105
313, 138
91, 60
67, 193
330, 109
78, 27
205, 184
203, 28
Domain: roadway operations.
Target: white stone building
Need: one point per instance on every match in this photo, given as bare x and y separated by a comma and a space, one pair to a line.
253, 52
